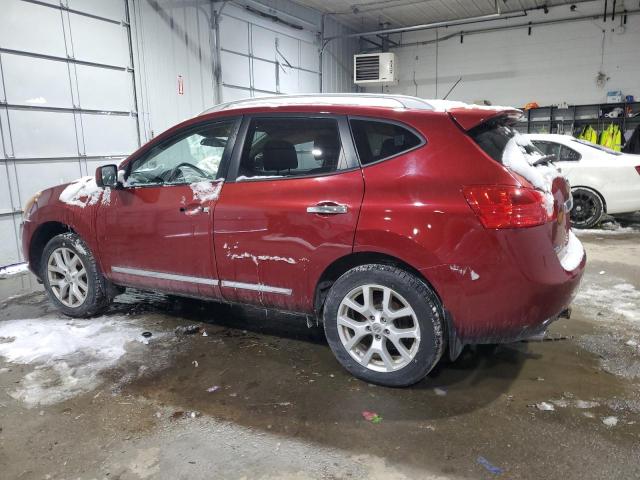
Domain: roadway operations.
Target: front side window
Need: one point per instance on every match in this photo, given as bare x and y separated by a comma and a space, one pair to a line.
287, 147
195, 156
379, 140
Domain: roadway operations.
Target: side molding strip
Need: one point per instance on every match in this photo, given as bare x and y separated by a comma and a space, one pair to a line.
165, 276
256, 287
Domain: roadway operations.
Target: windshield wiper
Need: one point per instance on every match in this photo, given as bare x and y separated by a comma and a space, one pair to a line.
546, 160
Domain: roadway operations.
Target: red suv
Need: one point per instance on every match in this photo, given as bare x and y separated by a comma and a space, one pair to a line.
408, 227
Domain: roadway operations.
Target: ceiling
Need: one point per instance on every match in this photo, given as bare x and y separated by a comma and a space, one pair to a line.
363, 15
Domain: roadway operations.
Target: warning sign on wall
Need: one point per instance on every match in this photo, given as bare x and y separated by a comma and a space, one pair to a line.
180, 85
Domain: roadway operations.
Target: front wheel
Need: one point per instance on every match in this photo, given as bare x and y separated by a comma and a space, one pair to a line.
72, 278
384, 325
587, 210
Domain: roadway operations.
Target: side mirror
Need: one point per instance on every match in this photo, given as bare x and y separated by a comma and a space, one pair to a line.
107, 176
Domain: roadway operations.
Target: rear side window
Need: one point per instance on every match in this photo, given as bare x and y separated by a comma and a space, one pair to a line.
379, 140
288, 147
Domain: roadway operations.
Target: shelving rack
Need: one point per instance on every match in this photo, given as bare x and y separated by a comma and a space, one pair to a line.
554, 119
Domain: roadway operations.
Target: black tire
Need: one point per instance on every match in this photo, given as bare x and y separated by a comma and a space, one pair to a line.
97, 294
588, 208
420, 298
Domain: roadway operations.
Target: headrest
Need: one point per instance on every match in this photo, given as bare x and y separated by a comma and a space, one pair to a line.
279, 155
388, 148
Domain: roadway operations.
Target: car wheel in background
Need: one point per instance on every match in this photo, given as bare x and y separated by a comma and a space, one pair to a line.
588, 208
71, 277
384, 325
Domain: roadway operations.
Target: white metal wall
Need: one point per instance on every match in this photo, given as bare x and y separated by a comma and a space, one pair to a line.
83, 82
260, 58
66, 99
556, 63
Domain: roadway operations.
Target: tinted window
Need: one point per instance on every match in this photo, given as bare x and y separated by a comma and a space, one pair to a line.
379, 140
192, 157
287, 147
548, 148
568, 155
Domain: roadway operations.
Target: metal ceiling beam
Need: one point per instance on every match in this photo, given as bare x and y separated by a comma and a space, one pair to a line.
427, 26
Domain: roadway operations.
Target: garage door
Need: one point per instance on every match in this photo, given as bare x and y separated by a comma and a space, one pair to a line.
261, 58
67, 101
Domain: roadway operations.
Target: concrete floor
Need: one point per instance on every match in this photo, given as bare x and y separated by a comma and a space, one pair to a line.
103, 403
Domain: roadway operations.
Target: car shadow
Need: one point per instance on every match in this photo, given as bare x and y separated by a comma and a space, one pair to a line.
276, 356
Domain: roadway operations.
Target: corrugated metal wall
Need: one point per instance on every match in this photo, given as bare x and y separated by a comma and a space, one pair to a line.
83, 82
66, 99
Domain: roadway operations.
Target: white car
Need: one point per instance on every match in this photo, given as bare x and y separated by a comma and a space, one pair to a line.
602, 180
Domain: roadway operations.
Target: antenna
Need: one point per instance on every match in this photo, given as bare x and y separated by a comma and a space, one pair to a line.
451, 89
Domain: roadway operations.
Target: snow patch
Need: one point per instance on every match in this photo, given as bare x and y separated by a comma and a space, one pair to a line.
610, 421
106, 196
519, 156
81, 192
206, 191
573, 253
67, 355
14, 269
622, 299
446, 105
243, 178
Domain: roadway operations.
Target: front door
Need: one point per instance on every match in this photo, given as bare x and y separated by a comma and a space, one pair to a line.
289, 212
156, 232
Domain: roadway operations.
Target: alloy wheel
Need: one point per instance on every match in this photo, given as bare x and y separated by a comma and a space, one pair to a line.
67, 277
584, 208
378, 328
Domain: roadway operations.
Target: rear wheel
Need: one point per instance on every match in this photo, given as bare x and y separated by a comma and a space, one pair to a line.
71, 277
588, 208
384, 325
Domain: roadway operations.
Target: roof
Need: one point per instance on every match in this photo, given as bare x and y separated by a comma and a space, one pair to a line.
350, 99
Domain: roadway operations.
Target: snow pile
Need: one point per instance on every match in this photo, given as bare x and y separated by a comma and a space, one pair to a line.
81, 192
519, 156
573, 253
13, 269
67, 355
206, 191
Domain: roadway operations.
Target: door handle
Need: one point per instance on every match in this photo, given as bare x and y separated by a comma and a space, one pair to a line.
194, 209
328, 208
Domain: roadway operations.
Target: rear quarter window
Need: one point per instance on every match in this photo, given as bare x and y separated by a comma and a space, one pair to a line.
379, 140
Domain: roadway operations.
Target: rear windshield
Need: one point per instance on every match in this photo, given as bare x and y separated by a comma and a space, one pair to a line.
493, 137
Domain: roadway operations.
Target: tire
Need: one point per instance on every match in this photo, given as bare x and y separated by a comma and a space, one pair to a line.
355, 338
588, 208
68, 251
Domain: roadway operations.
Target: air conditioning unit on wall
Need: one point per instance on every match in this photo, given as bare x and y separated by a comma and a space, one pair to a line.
371, 69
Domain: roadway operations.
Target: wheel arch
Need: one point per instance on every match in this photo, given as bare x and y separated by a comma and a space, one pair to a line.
41, 237
593, 190
343, 264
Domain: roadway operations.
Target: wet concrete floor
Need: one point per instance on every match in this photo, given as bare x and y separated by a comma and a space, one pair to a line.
283, 408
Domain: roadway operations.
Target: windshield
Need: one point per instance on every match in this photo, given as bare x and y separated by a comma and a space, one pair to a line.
597, 147
494, 136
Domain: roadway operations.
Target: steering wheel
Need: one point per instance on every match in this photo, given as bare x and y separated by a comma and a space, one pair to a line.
175, 172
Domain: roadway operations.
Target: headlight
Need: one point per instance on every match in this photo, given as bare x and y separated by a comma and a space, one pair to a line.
26, 212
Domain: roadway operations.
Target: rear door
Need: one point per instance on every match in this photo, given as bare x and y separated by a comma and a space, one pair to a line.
289, 208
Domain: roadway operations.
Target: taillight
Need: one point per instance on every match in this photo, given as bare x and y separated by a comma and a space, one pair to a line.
504, 206
638, 169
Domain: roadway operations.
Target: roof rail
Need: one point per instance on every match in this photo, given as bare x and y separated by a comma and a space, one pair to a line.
362, 99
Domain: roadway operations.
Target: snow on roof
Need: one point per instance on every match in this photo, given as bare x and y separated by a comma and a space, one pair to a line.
350, 99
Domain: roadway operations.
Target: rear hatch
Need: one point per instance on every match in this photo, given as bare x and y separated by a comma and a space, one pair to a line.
493, 132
